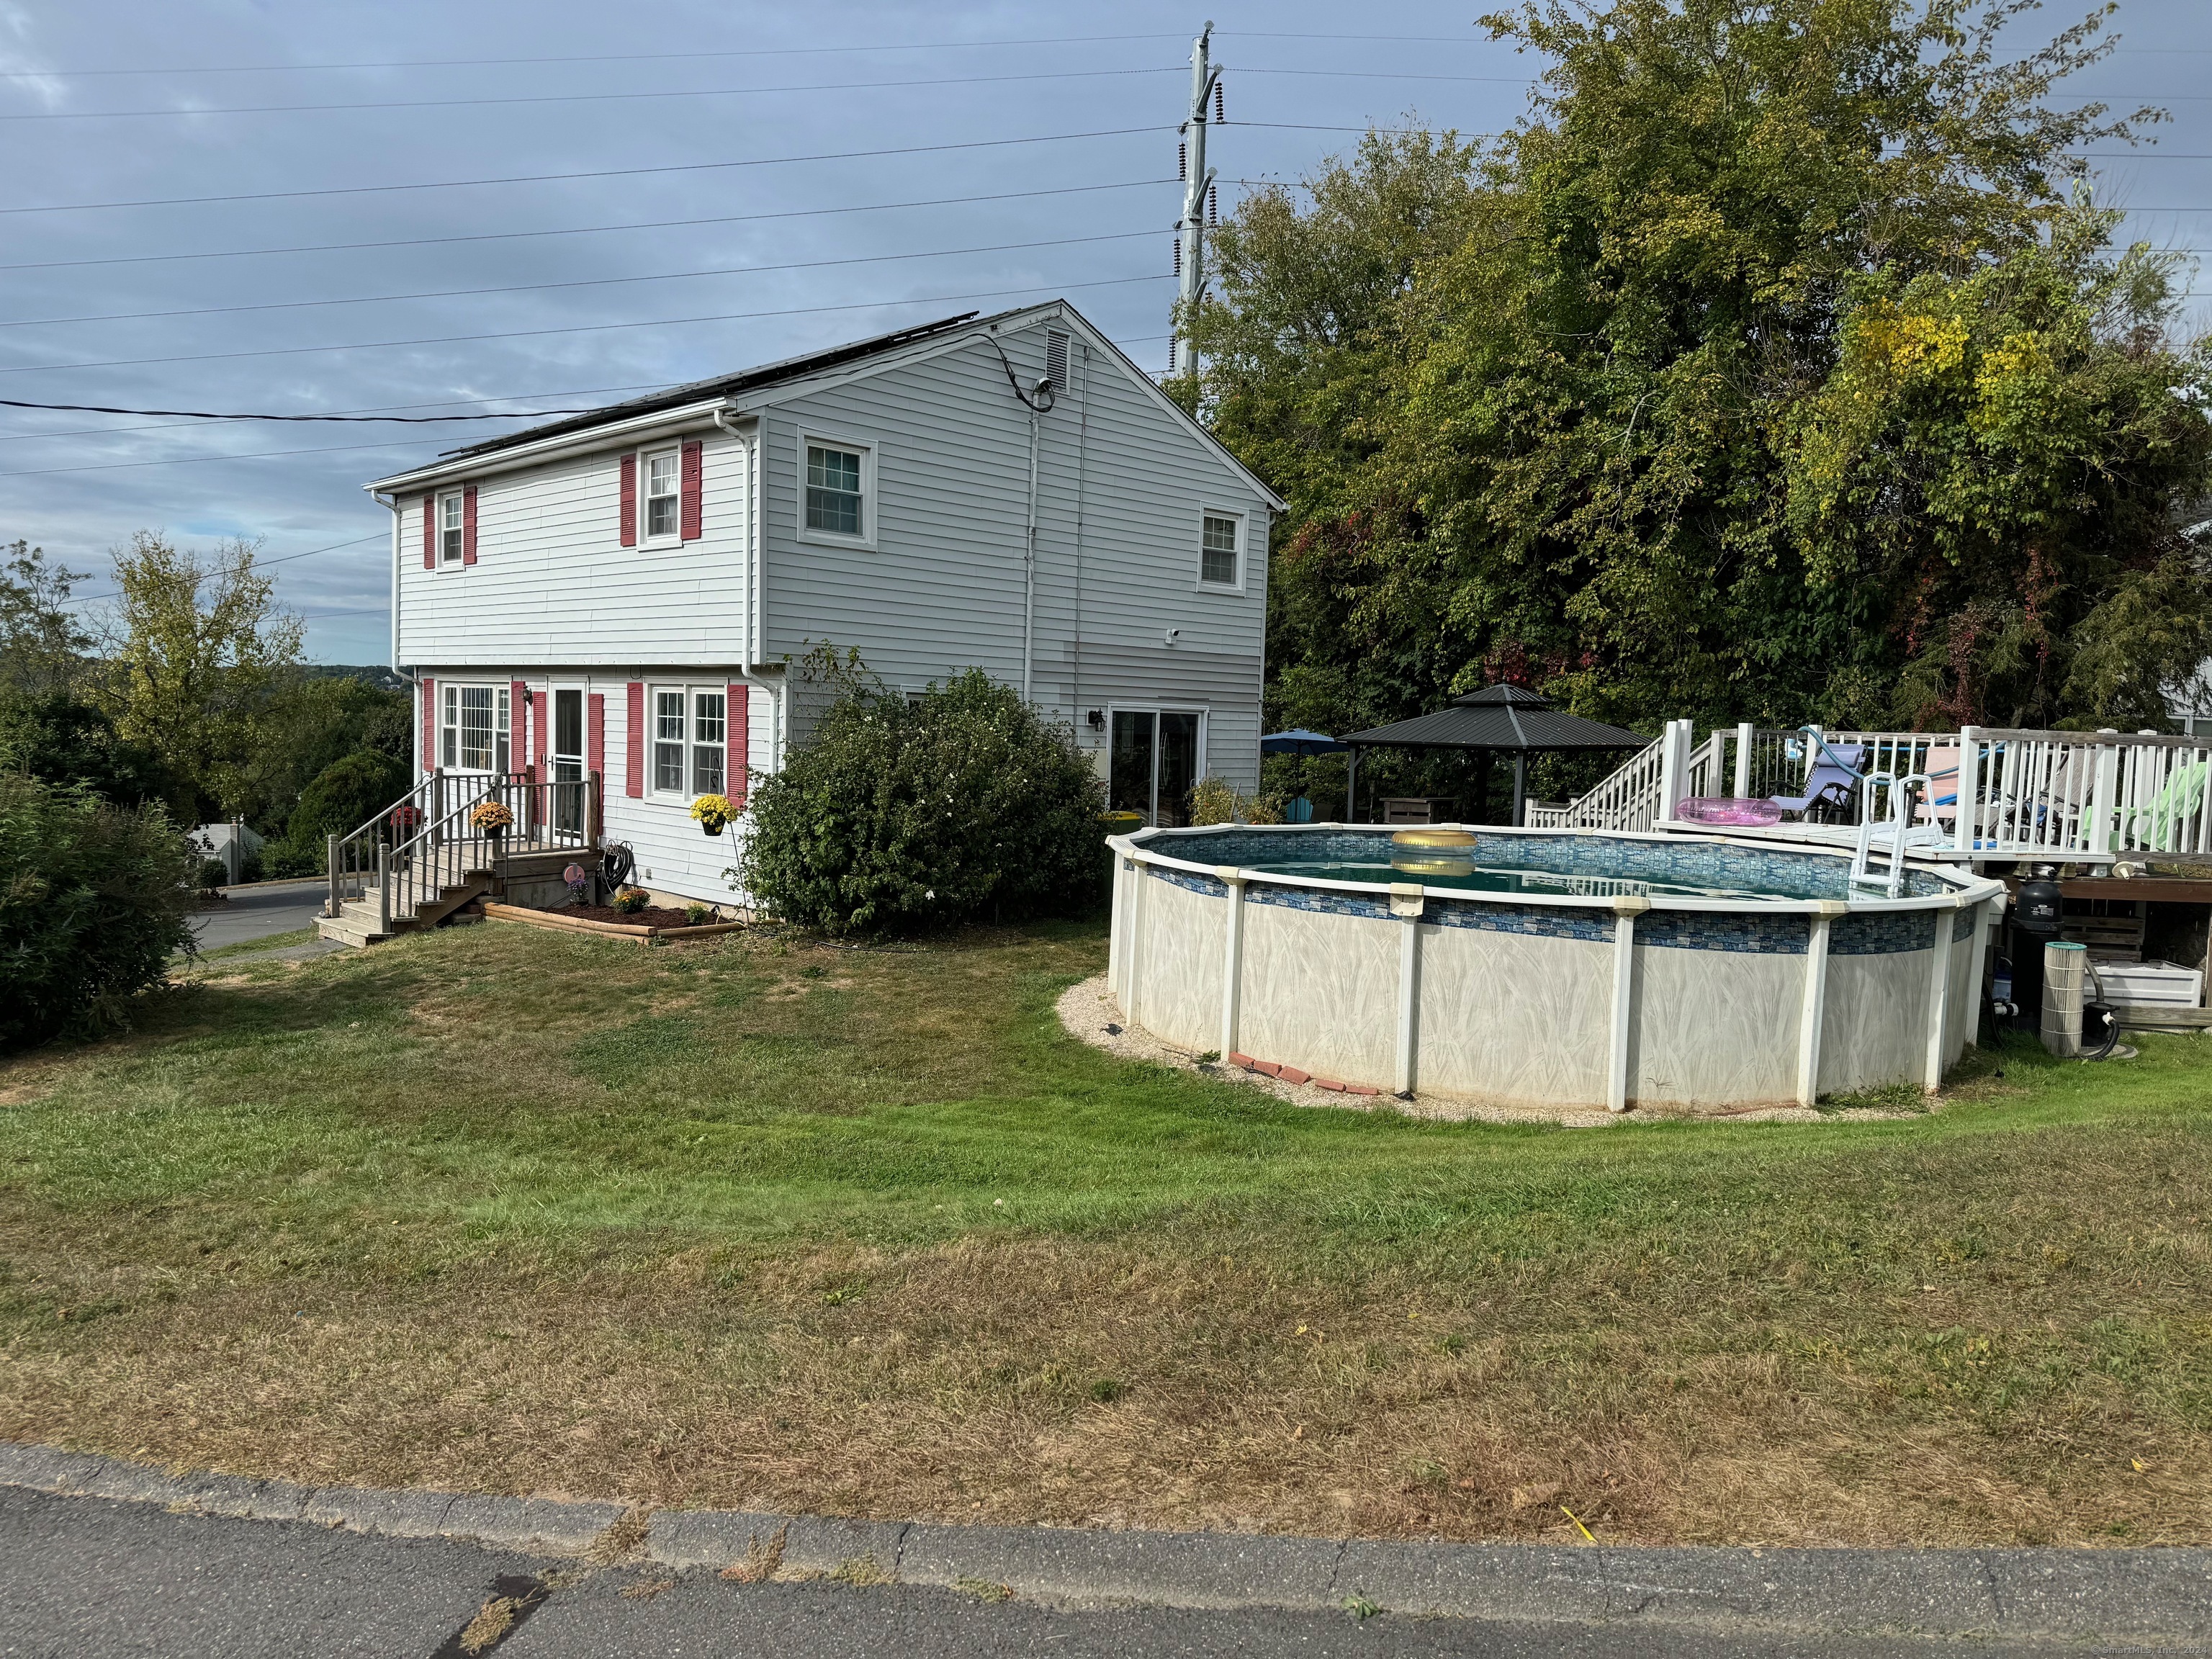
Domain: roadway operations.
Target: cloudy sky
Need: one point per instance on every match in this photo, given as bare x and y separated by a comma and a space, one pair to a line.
428, 207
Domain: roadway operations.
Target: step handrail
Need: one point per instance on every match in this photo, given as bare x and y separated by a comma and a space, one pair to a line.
547, 815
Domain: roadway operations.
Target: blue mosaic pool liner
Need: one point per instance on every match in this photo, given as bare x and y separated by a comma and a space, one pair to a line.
1679, 861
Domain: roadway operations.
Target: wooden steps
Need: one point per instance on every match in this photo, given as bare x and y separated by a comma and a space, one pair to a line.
360, 923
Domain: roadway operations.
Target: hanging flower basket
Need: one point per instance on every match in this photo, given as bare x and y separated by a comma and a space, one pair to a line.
713, 812
493, 819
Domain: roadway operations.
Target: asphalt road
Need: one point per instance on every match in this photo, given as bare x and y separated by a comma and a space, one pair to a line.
257, 912
89, 1576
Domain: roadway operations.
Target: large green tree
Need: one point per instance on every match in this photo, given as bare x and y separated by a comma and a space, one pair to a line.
1631, 404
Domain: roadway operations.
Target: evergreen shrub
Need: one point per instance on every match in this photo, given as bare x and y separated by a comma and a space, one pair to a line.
94, 899
959, 804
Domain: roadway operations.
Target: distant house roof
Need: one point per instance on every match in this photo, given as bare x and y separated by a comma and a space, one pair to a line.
1497, 717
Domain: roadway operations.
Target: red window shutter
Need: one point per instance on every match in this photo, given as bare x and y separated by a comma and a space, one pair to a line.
468, 524
738, 732
633, 754
595, 761
429, 532
539, 738
694, 472
518, 740
629, 500
429, 724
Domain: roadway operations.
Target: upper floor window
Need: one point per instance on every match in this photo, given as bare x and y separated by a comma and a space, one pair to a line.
833, 491
664, 493
690, 741
475, 727
1220, 543
453, 528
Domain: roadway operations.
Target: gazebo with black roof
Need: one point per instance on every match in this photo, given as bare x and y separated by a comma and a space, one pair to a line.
1508, 719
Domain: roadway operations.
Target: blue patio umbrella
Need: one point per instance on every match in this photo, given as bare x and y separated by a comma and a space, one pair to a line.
1300, 743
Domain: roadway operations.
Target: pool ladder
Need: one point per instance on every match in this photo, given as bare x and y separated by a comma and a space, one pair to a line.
1904, 788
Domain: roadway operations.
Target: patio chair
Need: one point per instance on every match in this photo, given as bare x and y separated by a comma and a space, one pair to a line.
1941, 802
1832, 784
2178, 800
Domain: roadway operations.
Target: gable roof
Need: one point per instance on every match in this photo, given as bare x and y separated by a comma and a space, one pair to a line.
857, 353
722, 386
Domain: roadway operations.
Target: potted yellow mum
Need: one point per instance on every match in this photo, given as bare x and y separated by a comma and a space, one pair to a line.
713, 812
493, 818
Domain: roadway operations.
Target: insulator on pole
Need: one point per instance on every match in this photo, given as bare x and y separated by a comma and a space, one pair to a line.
1212, 205
1178, 257
1183, 159
1217, 115
1171, 345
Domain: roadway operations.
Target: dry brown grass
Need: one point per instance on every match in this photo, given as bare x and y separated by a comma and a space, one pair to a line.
1956, 1330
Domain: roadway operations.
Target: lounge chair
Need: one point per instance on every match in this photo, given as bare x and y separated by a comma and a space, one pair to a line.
1831, 784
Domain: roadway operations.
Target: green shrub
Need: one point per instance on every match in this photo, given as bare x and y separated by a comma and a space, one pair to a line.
214, 873
344, 795
93, 904
960, 805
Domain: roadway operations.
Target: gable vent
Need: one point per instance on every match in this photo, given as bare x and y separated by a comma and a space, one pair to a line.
1056, 359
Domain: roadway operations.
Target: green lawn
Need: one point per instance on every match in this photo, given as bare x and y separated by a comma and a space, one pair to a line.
781, 1225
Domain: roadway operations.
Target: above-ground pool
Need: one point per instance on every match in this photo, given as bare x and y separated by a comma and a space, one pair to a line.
1548, 967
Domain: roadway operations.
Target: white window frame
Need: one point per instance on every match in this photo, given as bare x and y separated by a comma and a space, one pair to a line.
1244, 522
865, 449
645, 498
690, 790
449, 730
457, 552
1198, 765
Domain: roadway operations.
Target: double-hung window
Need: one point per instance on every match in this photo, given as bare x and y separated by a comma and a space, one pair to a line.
837, 491
1220, 543
474, 727
690, 741
452, 532
664, 494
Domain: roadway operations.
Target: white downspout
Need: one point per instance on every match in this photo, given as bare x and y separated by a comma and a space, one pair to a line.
753, 636
1029, 568
391, 506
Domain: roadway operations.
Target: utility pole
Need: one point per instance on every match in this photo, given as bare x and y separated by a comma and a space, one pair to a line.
1198, 188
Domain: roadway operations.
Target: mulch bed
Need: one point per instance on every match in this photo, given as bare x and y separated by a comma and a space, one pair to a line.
654, 916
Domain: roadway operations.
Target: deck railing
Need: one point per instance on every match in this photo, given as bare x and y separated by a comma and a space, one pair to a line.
429, 839
1979, 793
448, 853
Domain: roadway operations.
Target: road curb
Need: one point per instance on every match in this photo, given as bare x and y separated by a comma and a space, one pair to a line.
2136, 1599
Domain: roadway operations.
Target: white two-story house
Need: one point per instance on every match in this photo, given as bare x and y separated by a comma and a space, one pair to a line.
628, 593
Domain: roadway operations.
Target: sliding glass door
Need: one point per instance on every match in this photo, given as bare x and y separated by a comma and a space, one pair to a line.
1153, 764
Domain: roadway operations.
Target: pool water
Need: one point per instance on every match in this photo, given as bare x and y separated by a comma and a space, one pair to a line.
1485, 878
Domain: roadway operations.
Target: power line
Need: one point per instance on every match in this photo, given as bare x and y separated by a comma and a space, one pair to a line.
603, 173
333, 449
204, 415
189, 425
581, 282
583, 97
378, 536
588, 230
592, 328
593, 57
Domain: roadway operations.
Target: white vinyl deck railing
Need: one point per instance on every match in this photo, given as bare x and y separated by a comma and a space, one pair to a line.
1991, 792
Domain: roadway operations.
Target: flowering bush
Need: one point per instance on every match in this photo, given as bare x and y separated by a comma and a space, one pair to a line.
630, 900
492, 816
961, 804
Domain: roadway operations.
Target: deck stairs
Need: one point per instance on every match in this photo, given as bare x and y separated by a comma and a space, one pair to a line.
360, 921
453, 839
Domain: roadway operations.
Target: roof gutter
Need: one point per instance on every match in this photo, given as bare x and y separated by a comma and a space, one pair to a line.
598, 437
